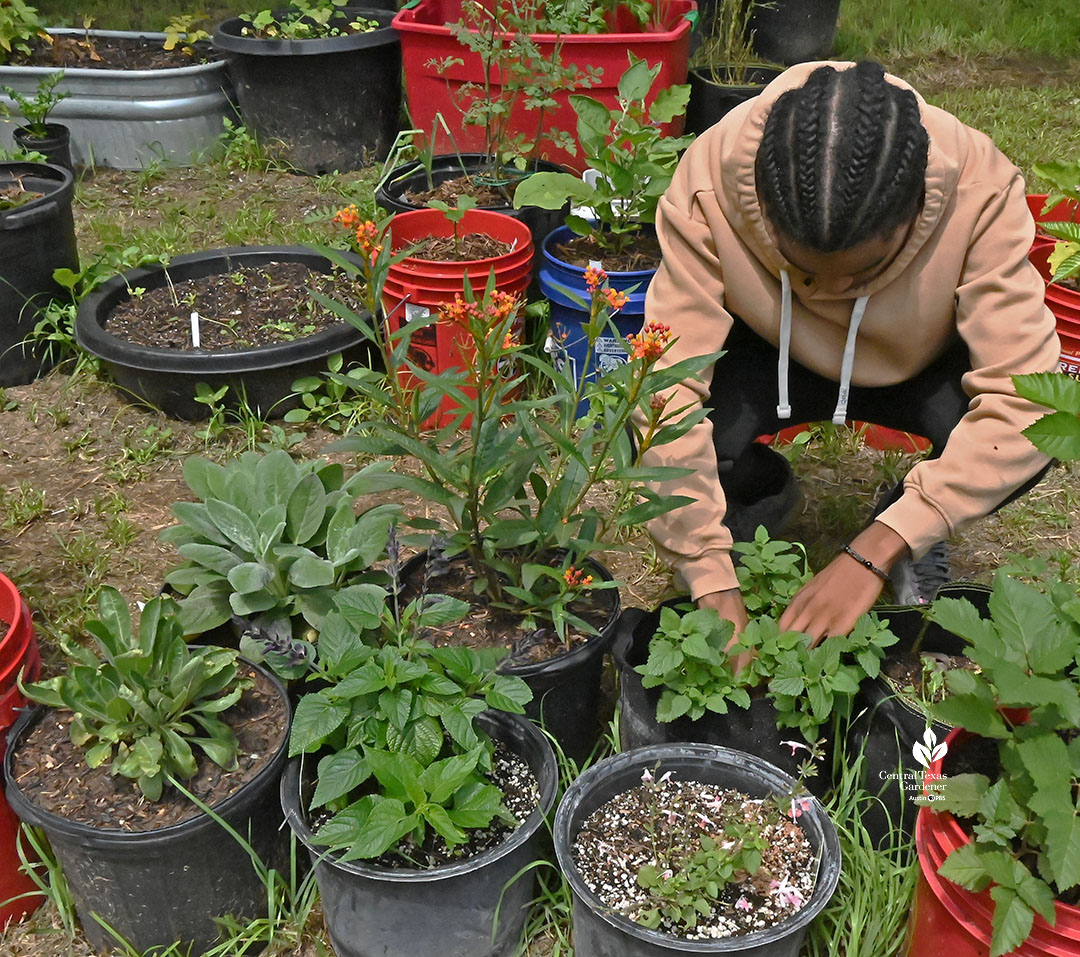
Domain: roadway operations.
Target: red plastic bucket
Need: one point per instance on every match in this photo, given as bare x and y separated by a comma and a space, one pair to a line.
947, 919
1070, 364
13, 610
427, 39
13, 882
1064, 302
874, 437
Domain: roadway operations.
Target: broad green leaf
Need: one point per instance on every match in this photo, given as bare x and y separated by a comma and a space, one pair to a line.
1055, 390
215, 557
338, 774
1011, 923
205, 478
311, 572
234, 524
1056, 434
671, 706
552, 191
964, 867
250, 576
316, 718
306, 510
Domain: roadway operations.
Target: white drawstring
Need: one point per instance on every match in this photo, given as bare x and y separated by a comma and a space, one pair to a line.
783, 408
840, 413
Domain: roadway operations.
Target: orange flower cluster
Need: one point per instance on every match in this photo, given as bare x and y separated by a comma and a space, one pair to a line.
496, 309
367, 232
576, 578
594, 278
651, 342
615, 300
349, 217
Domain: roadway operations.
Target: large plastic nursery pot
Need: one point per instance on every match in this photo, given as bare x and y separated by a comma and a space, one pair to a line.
130, 119
1063, 212
566, 688
891, 722
1063, 301
794, 31
752, 729
165, 885
471, 908
427, 39
392, 194
948, 919
166, 379
331, 103
601, 932
567, 342
712, 97
35, 238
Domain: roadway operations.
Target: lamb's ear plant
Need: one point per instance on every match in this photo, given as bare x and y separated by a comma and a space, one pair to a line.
1025, 811
149, 701
274, 542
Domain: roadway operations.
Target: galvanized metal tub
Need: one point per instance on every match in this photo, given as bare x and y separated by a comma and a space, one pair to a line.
128, 119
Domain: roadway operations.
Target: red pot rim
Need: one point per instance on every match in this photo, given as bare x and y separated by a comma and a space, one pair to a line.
408, 227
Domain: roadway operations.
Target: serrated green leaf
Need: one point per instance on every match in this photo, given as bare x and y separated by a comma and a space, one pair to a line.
316, 718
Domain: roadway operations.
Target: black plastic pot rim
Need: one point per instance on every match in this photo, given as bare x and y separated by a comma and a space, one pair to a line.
96, 339
465, 163
55, 178
290, 804
55, 131
109, 837
649, 757
708, 75
228, 38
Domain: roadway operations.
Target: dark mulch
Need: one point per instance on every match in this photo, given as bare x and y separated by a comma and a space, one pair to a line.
52, 774
489, 627
251, 306
642, 253
112, 53
14, 195
449, 190
467, 248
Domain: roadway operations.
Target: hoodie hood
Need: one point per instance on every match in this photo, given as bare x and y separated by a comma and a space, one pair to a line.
732, 148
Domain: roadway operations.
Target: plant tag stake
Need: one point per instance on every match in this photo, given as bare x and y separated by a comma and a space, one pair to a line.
596, 264
195, 338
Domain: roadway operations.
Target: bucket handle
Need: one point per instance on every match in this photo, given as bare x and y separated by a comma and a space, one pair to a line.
28, 217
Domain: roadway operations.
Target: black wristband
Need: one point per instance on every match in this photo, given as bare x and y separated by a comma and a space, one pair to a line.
866, 563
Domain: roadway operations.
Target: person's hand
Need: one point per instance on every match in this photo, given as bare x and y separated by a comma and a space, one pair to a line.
834, 599
729, 604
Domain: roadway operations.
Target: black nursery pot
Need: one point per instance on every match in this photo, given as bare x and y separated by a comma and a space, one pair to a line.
890, 723
165, 379
412, 177
601, 932
332, 103
35, 239
752, 729
794, 31
166, 885
711, 100
476, 907
55, 146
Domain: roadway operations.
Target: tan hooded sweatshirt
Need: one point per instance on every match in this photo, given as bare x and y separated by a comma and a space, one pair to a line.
963, 268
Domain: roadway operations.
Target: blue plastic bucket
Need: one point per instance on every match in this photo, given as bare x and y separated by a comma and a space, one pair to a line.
567, 342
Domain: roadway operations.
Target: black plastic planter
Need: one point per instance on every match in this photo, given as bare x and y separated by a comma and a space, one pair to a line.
35, 238
55, 146
711, 97
166, 378
752, 729
473, 908
413, 177
890, 723
566, 688
599, 932
794, 31
332, 103
158, 887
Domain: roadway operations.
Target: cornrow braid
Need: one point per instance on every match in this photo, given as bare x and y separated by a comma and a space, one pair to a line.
842, 158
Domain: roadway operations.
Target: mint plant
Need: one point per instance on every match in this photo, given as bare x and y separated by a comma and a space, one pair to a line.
273, 541
625, 146
770, 572
149, 701
399, 753
1025, 811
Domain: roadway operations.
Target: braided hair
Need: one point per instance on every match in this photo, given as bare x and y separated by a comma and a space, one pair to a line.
842, 158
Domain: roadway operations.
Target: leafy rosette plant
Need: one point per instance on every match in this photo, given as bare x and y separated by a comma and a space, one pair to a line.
306, 20
274, 542
400, 756
1065, 180
150, 701
1025, 696
691, 655
513, 473
624, 145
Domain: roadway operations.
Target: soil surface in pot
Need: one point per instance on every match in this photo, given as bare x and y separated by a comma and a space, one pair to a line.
53, 776
487, 195
642, 253
487, 627
13, 195
467, 248
915, 675
248, 307
521, 795
661, 823
112, 53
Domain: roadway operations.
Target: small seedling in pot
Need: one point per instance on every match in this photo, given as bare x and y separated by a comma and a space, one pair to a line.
455, 214
36, 111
